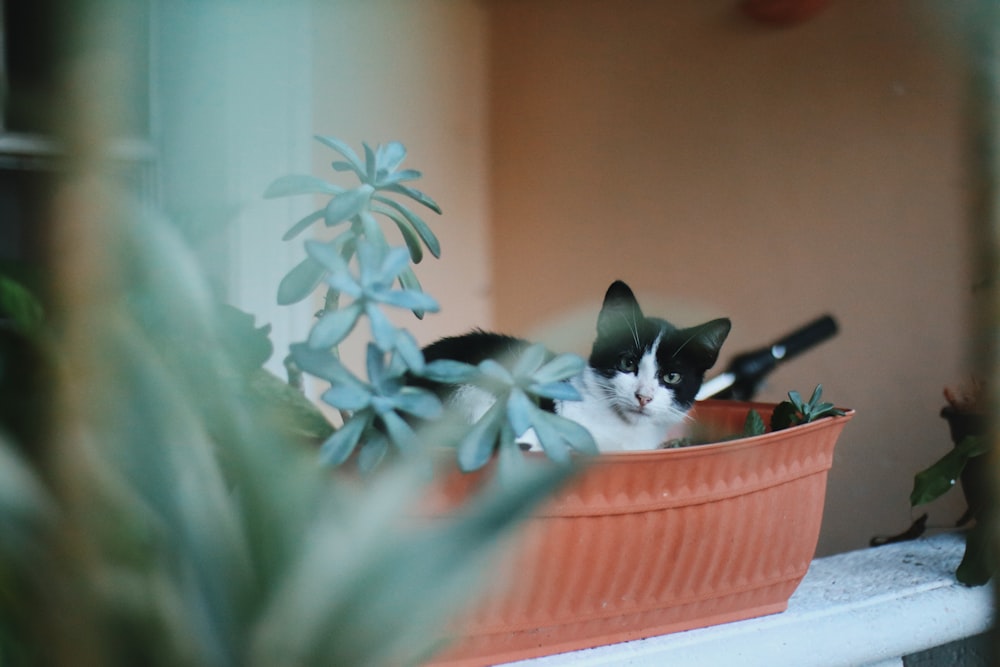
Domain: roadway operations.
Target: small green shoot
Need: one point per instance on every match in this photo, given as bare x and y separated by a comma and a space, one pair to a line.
795, 411
754, 425
788, 413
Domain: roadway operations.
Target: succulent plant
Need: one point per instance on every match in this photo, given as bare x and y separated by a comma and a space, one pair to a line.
359, 266
796, 411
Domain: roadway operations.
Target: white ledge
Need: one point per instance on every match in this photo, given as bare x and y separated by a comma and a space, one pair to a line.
868, 607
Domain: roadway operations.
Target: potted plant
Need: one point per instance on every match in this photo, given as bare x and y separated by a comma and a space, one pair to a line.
967, 464
358, 263
168, 519
639, 543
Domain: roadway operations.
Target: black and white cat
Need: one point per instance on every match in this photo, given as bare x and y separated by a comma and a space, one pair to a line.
641, 377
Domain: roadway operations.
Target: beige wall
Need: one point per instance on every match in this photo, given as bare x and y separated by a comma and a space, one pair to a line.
771, 175
720, 166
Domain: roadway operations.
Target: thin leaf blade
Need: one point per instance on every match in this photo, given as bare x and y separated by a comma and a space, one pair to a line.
300, 281
300, 184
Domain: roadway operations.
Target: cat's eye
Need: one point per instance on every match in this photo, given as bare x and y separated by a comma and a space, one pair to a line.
671, 377
627, 364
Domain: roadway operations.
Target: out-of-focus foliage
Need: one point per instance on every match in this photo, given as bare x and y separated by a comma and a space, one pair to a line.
178, 524
173, 510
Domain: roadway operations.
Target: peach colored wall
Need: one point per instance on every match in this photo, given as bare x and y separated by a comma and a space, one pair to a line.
720, 166
725, 167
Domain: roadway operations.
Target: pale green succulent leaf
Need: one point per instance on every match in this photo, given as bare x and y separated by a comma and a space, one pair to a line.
476, 447
551, 438
425, 232
448, 371
339, 446
303, 224
300, 282
372, 451
323, 364
409, 299
410, 237
334, 327
409, 351
347, 204
557, 391
529, 361
371, 168
562, 367
520, 412
346, 151
347, 397
300, 184
400, 433
414, 194
408, 280
384, 332
389, 156
328, 255
398, 177
495, 372
419, 403
571, 432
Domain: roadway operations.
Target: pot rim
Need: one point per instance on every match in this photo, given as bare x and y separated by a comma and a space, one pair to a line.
641, 455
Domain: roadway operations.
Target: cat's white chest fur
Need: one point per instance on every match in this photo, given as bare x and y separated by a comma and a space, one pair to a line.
614, 415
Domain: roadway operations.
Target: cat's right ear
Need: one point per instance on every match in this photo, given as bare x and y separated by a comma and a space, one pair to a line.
619, 311
708, 339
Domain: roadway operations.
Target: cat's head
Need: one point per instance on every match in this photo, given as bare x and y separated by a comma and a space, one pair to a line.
647, 367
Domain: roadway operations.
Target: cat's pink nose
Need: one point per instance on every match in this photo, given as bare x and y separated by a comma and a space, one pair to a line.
643, 400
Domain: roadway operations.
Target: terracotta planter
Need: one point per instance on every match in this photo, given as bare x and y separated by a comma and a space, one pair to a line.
647, 543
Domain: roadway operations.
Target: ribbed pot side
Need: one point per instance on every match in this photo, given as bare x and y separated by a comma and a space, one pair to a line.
647, 543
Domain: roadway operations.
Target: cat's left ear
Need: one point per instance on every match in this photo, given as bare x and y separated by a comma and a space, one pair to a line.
620, 311
708, 339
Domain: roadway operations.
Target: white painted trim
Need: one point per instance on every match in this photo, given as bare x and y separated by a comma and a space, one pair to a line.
267, 59
869, 607
235, 82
